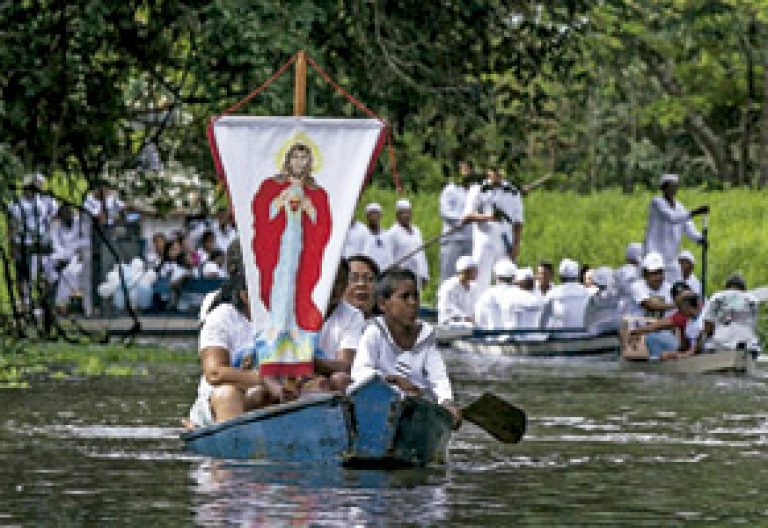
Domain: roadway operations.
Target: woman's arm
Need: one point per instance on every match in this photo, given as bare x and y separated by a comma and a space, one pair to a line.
217, 370
662, 324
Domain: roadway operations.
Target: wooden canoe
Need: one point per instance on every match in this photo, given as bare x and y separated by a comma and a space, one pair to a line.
736, 361
375, 425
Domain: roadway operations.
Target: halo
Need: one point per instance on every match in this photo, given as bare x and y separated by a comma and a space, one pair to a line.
300, 137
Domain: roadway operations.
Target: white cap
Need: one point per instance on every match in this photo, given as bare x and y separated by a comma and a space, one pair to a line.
464, 263
402, 204
668, 178
505, 268
634, 251
373, 207
653, 261
569, 269
524, 274
686, 255
602, 276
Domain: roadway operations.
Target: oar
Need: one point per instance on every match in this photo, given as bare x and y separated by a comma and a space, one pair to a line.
500, 419
704, 230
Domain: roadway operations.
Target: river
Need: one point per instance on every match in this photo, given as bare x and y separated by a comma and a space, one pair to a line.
602, 448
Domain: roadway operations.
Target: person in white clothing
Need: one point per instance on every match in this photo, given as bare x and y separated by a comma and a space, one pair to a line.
456, 296
104, 205
68, 238
625, 275
339, 335
223, 228
457, 236
495, 209
378, 245
651, 295
668, 219
228, 385
601, 315
360, 291
525, 303
406, 238
686, 261
730, 318
400, 347
492, 310
565, 304
354, 243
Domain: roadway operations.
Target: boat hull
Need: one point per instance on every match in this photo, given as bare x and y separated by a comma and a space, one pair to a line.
576, 346
734, 361
375, 425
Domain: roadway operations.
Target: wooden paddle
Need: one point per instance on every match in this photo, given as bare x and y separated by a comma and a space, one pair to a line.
502, 420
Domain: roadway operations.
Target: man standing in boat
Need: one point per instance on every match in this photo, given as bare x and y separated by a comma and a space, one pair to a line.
495, 208
459, 242
668, 219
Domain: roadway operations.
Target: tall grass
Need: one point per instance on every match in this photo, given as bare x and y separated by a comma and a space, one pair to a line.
597, 227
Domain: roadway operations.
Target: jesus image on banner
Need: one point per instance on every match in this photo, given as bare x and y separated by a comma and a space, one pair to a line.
291, 226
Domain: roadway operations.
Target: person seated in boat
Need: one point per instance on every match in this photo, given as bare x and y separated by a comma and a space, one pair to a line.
627, 274
360, 291
601, 315
564, 305
456, 295
400, 347
492, 310
687, 262
651, 296
339, 335
677, 335
525, 304
730, 318
226, 339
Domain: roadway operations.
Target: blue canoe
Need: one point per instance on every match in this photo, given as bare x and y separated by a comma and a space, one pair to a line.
373, 425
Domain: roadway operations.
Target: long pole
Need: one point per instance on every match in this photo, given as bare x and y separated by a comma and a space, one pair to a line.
300, 85
704, 248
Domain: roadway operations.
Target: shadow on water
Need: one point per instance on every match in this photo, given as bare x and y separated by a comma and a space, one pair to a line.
603, 447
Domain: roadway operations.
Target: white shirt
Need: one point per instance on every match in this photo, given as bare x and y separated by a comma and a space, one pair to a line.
403, 242
602, 311
377, 353
223, 236
453, 201
492, 234
354, 243
526, 306
734, 315
694, 283
32, 218
641, 292
493, 309
378, 247
564, 306
67, 241
623, 278
455, 302
341, 331
666, 225
112, 206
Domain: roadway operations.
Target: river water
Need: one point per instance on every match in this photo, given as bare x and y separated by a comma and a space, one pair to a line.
603, 448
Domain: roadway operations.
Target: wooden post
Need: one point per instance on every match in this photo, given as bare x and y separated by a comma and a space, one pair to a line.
300, 85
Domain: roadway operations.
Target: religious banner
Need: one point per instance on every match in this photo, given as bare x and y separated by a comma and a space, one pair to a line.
293, 183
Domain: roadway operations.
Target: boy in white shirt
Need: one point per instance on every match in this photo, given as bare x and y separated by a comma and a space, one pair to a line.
456, 296
400, 347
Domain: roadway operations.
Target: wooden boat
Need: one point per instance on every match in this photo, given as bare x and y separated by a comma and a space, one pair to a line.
374, 425
535, 342
735, 361
634, 357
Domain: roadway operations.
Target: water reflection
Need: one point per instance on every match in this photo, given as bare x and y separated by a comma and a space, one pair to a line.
268, 495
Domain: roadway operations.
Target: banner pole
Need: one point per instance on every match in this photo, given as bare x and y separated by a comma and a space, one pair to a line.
300, 84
